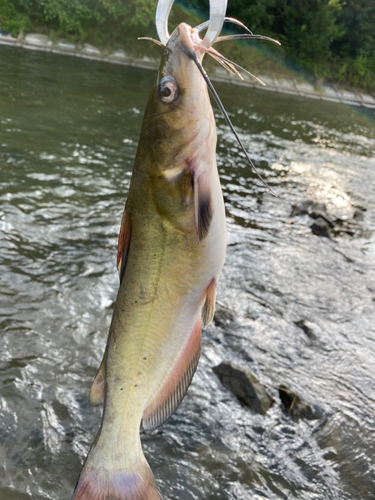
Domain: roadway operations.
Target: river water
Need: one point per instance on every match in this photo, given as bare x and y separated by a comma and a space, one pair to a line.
294, 307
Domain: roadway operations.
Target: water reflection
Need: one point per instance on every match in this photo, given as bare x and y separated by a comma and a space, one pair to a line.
294, 307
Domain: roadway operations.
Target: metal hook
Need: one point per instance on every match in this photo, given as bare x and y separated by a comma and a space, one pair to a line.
218, 9
162, 14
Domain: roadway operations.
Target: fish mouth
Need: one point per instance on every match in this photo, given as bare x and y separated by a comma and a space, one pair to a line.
190, 42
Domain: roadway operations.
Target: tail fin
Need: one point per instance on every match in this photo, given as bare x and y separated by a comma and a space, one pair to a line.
103, 484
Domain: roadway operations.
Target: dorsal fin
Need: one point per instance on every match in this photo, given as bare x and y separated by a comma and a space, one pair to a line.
97, 391
172, 390
123, 242
208, 309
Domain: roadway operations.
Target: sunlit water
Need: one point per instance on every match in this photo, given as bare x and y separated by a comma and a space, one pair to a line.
68, 137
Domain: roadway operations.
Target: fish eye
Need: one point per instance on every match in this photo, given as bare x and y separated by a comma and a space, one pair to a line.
168, 90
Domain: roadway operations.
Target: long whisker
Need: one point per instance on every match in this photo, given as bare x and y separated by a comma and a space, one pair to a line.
153, 40
217, 54
231, 69
226, 64
193, 56
245, 35
204, 25
239, 67
161, 19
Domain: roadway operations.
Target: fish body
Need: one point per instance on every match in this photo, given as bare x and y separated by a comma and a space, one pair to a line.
171, 252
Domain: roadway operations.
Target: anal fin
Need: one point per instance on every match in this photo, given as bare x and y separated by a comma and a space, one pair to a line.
202, 205
174, 387
97, 391
208, 309
123, 242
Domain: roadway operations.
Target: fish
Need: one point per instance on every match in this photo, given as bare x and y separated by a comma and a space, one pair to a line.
171, 251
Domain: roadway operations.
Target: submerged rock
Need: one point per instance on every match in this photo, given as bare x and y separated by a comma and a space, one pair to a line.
295, 406
223, 316
311, 208
321, 228
326, 224
317, 211
244, 386
359, 214
307, 328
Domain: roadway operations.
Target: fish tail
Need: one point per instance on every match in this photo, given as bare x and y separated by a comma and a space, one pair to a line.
101, 483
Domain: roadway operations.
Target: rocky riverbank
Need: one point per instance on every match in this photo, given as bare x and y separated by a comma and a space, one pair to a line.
34, 41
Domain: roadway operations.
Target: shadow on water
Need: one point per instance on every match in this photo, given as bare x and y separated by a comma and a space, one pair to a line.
295, 301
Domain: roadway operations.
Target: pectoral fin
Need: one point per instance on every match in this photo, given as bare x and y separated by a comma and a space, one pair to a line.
123, 242
171, 392
202, 205
97, 392
172, 174
208, 309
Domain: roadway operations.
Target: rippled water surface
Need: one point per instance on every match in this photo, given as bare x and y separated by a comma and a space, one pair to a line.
294, 307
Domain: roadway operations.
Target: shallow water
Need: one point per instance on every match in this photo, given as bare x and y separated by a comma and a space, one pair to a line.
294, 307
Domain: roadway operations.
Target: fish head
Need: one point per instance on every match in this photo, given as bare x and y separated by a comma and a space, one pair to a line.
183, 47
179, 119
